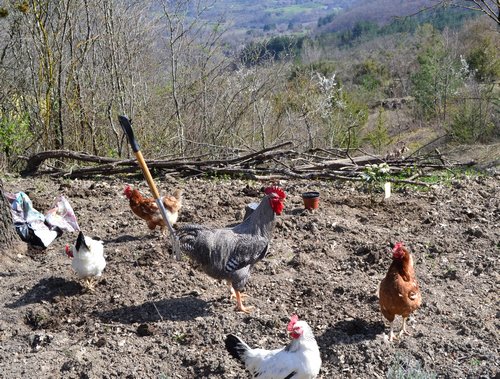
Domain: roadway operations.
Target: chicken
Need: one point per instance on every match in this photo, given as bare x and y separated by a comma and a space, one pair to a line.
399, 293
88, 259
300, 359
147, 209
229, 253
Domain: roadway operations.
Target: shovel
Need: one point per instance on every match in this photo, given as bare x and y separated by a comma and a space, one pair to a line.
127, 128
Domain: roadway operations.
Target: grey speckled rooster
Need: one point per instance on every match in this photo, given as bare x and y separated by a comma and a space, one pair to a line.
229, 253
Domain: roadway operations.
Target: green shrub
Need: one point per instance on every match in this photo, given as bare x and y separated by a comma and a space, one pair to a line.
370, 74
14, 132
476, 112
379, 137
484, 60
471, 124
406, 367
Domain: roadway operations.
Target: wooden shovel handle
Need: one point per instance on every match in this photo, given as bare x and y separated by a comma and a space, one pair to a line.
127, 128
147, 175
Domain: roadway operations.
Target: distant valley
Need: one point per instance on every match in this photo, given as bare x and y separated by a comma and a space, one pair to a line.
249, 19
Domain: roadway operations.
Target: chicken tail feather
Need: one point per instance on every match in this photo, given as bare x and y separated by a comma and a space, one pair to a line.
236, 347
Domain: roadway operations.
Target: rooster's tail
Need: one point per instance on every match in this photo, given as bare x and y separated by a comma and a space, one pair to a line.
236, 347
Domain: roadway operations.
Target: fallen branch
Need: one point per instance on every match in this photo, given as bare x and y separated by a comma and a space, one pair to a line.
271, 163
34, 162
111, 166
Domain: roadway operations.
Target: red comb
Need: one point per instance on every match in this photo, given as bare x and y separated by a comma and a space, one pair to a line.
277, 190
292, 322
398, 246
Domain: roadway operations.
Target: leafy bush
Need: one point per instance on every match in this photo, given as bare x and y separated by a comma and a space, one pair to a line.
476, 112
323, 67
14, 132
472, 123
370, 74
376, 173
342, 116
484, 60
374, 177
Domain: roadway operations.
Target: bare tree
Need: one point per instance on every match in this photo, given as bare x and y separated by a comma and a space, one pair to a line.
186, 38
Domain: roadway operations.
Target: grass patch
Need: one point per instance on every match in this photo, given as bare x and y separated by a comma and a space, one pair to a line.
446, 176
406, 367
442, 177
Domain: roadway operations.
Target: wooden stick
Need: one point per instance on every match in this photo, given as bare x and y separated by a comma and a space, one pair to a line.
127, 128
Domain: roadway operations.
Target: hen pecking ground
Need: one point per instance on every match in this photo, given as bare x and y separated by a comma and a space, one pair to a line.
153, 317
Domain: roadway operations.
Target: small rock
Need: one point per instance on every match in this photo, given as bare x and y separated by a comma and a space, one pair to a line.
474, 232
363, 250
373, 257
37, 341
68, 366
100, 342
144, 330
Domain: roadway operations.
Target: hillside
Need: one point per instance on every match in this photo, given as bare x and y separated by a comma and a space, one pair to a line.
377, 11
279, 13
259, 18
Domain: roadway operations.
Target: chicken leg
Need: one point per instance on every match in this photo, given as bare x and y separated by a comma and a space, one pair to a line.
392, 336
391, 332
239, 303
233, 293
89, 283
403, 329
231, 289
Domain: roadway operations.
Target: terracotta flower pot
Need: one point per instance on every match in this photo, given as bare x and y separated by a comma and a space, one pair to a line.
311, 200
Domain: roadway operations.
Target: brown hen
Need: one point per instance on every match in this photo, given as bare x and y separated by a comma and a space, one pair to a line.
147, 209
399, 293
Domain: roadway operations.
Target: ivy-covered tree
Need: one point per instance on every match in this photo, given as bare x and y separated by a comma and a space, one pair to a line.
484, 58
7, 234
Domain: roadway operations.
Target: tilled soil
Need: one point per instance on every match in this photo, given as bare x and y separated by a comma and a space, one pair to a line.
151, 316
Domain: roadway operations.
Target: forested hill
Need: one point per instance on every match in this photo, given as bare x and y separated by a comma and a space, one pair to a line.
250, 20
268, 14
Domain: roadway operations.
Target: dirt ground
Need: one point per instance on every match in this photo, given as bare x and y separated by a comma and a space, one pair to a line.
154, 317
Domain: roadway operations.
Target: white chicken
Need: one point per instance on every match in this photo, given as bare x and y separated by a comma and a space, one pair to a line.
300, 359
88, 259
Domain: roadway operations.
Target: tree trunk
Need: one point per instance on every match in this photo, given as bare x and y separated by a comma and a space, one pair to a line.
7, 233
